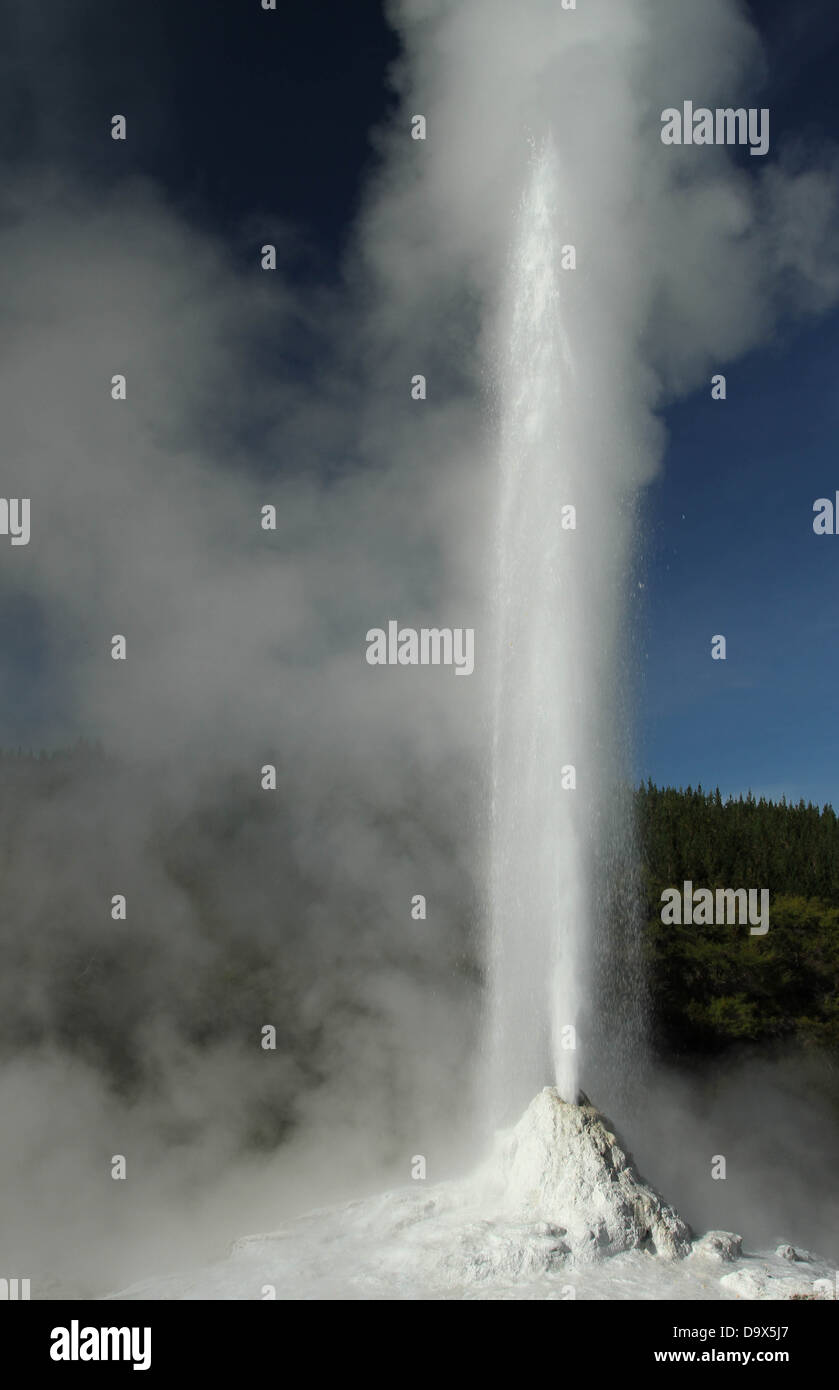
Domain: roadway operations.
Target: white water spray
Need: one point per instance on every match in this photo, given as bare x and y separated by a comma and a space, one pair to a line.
554, 624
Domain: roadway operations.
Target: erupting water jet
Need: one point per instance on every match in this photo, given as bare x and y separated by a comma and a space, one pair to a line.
538, 903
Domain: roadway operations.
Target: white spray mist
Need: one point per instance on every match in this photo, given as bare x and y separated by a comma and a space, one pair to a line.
539, 890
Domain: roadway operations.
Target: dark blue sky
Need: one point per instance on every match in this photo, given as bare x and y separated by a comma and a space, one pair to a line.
248, 115
731, 548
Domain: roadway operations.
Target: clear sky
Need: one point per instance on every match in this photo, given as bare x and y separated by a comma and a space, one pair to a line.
732, 551
731, 547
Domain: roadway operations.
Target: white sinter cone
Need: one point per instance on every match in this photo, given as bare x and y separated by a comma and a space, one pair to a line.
563, 1164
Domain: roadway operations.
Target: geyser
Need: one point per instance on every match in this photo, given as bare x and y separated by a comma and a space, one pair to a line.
560, 549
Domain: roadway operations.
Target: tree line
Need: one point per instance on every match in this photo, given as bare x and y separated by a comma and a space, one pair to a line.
715, 986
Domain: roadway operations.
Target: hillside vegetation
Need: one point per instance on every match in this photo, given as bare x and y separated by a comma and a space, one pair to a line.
713, 986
